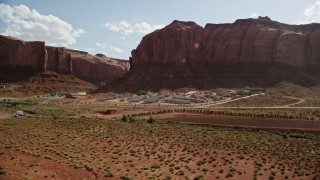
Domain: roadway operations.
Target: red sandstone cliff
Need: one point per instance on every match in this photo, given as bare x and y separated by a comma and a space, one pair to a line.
17, 54
58, 60
98, 68
247, 41
31, 57
249, 52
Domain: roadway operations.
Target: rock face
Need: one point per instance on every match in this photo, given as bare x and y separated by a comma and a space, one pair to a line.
17, 54
31, 57
98, 68
245, 42
58, 60
249, 52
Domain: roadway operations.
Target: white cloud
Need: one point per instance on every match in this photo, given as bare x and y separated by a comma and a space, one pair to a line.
127, 29
91, 50
28, 24
107, 46
124, 24
112, 27
312, 13
116, 49
254, 15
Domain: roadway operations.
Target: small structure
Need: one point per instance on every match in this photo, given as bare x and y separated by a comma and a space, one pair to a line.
74, 95
18, 113
258, 91
2, 86
81, 93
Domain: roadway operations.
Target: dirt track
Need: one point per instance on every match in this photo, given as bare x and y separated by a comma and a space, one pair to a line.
5, 115
243, 121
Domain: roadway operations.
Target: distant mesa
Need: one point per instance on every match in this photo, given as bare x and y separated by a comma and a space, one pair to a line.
19, 56
249, 52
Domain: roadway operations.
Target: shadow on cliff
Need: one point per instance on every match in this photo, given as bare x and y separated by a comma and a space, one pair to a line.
156, 78
16, 75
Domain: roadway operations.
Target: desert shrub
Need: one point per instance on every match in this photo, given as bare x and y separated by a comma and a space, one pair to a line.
205, 170
124, 118
55, 117
2, 171
155, 166
229, 175
77, 166
199, 163
180, 173
48, 157
198, 177
141, 92
88, 168
151, 120
125, 177
131, 119
297, 136
108, 174
172, 122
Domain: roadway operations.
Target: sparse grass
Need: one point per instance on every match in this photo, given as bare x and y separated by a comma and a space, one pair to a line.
159, 150
309, 103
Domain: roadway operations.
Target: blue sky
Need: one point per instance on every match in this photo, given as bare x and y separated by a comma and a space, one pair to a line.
114, 28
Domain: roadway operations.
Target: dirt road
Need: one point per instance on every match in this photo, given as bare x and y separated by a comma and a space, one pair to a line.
293, 104
46, 101
5, 115
287, 106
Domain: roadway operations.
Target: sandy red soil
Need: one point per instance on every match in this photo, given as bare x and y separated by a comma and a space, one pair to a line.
23, 166
59, 140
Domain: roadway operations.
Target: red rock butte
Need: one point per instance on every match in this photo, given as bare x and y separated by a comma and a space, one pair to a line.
246, 41
20, 57
257, 52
